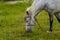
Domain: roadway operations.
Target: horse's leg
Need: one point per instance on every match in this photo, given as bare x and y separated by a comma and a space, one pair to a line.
51, 21
58, 17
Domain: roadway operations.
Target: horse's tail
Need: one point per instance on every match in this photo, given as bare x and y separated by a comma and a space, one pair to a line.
58, 17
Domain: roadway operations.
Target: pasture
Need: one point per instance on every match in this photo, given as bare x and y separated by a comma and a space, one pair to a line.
12, 24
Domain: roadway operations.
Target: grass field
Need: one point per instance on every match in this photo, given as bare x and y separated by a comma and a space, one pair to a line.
12, 24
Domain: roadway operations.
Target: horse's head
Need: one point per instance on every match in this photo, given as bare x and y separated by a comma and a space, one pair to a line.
28, 20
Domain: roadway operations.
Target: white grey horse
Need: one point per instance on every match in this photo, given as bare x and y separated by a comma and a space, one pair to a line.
51, 6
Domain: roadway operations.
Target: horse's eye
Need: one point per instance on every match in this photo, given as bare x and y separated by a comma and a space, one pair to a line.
27, 12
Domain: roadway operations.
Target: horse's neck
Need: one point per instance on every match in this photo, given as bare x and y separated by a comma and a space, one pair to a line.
37, 4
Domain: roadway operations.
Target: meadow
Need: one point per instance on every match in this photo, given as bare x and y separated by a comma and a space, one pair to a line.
12, 24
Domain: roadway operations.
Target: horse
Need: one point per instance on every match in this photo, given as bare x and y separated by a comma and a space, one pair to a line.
50, 6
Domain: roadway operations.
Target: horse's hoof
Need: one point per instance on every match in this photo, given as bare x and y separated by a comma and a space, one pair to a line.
29, 31
49, 31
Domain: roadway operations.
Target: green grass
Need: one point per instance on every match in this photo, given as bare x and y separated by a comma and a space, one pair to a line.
12, 24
